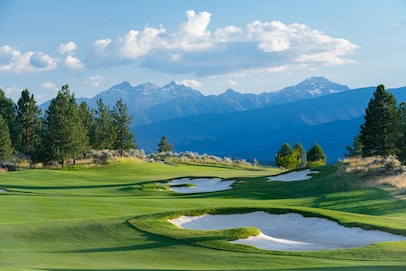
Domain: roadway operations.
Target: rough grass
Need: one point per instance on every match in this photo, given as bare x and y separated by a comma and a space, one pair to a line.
78, 219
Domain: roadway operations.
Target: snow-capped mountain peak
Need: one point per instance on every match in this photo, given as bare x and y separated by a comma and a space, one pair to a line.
312, 87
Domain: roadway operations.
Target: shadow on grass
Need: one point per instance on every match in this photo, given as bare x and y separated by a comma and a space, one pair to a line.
32, 187
344, 268
122, 248
151, 245
355, 268
370, 201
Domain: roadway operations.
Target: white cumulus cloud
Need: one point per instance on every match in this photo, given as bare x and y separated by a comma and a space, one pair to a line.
131, 46
74, 63
193, 34
196, 49
67, 48
271, 36
40, 60
229, 34
13, 60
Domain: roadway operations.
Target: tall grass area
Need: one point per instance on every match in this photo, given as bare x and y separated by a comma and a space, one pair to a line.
82, 218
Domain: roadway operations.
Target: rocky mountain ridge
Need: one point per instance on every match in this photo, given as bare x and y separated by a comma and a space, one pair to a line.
149, 103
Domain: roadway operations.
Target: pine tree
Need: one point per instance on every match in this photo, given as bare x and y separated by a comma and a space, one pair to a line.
8, 112
64, 133
164, 145
30, 123
122, 121
356, 149
379, 132
316, 156
302, 154
6, 150
283, 152
103, 134
401, 142
87, 120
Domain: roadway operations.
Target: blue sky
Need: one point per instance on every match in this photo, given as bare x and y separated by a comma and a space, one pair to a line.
251, 46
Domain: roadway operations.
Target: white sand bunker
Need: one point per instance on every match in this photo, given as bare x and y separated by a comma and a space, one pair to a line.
293, 176
199, 185
2, 190
291, 232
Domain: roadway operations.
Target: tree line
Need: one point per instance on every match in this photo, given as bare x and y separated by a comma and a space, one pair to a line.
66, 130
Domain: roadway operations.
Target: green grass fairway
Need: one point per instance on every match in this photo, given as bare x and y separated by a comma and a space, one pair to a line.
82, 218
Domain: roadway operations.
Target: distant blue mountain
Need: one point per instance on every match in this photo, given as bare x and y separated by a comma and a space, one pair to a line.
331, 120
149, 103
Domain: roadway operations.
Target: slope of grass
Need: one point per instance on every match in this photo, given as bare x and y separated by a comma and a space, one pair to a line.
78, 219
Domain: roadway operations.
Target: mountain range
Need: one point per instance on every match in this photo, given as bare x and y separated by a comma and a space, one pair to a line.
149, 103
244, 125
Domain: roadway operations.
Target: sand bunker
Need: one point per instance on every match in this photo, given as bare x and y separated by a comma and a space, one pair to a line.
291, 232
2, 190
293, 176
200, 185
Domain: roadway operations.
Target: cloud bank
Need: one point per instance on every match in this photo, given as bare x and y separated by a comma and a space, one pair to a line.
196, 49
193, 48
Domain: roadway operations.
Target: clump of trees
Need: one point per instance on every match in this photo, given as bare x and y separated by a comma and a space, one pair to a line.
383, 132
288, 157
65, 131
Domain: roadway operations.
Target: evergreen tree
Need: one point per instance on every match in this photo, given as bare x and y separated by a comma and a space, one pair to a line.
122, 121
316, 156
356, 149
379, 132
64, 133
6, 150
285, 151
87, 120
401, 143
103, 134
8, 112
164, 145
288, 157
30, 123
302, 154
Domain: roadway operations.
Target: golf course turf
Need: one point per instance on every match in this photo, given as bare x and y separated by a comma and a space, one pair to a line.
115, 217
